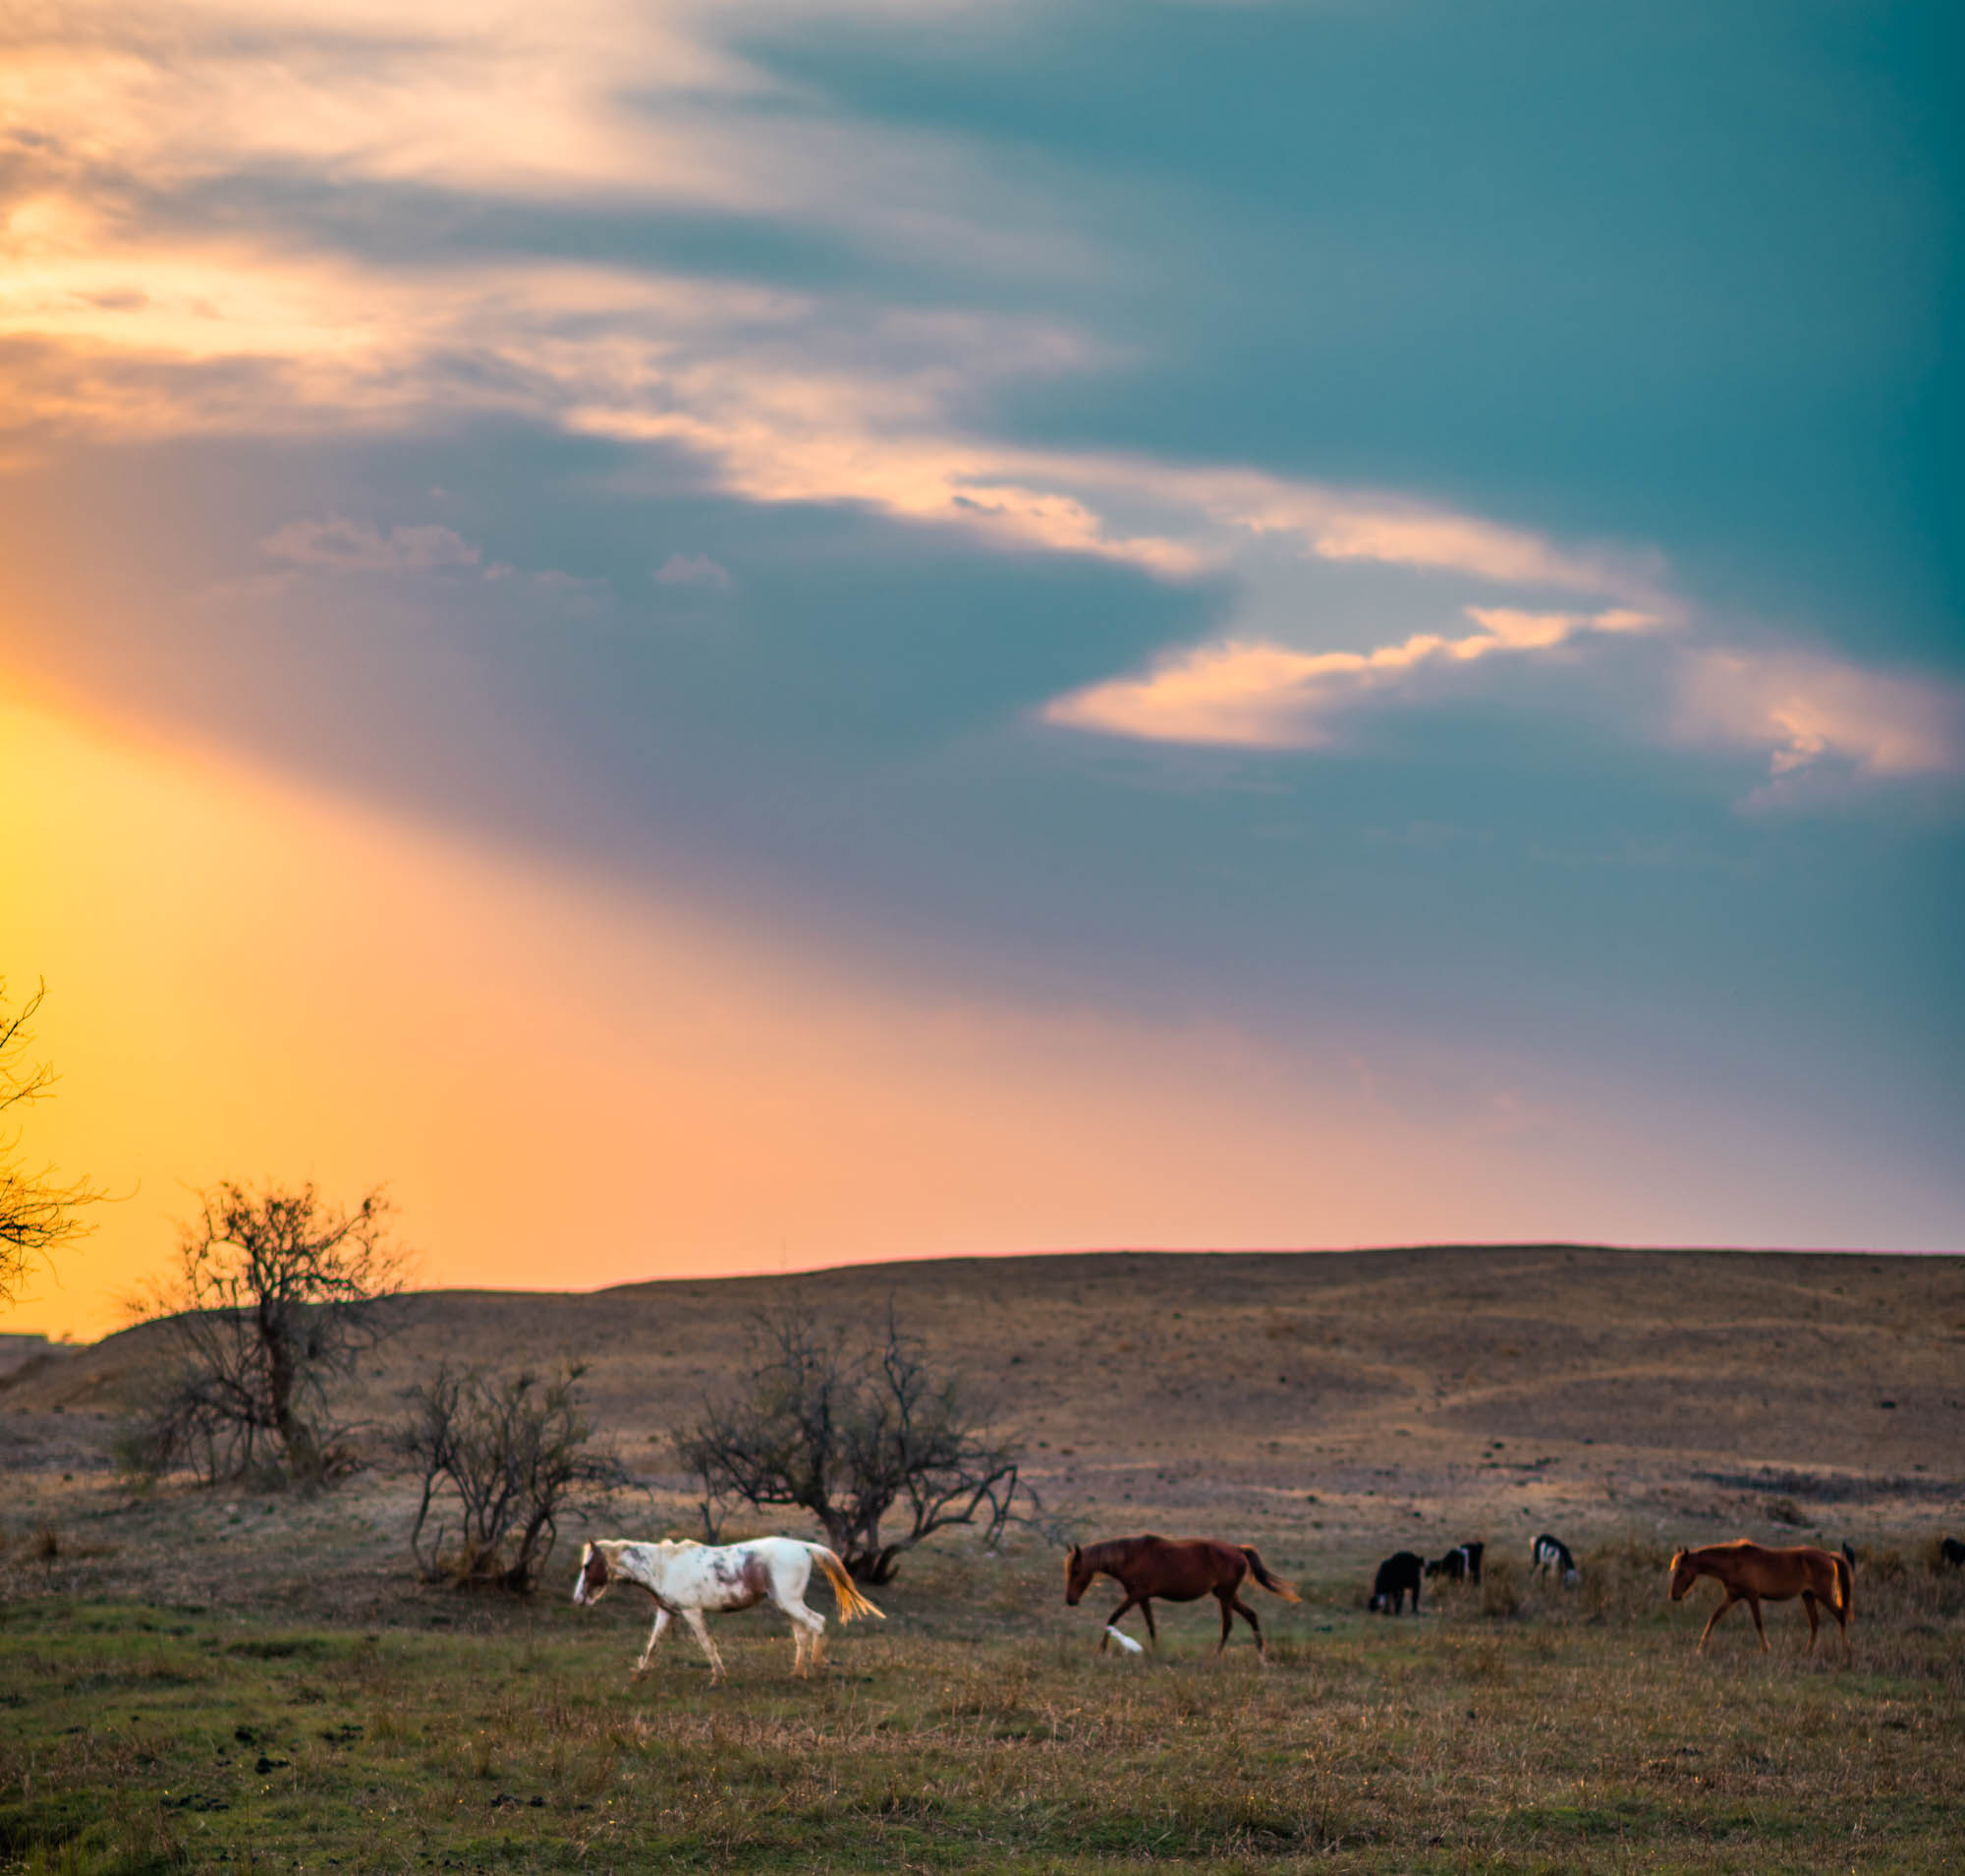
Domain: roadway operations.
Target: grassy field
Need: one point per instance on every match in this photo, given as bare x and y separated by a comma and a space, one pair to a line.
243, 1681
1512, 1727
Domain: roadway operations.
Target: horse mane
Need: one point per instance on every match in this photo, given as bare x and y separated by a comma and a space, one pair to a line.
1119, 1550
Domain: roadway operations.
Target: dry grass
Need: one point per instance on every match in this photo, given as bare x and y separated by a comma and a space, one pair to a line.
980, 1730
249, 1682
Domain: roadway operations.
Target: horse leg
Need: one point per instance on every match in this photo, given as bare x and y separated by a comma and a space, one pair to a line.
655, 1635
1225, 1597
1152, 1632
1814, 1621
1732, 1599
1262, 1647
808, 1635
1106, 1640
701, 1630
1759, 1628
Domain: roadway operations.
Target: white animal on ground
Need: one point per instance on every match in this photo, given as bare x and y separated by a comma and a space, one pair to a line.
1125, 1640
691, 1580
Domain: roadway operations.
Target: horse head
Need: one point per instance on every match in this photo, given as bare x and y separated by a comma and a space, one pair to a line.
592, 1582
1683, 1574
1078, 1575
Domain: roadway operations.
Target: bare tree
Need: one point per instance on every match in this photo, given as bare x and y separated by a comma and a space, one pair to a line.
511, 1458
854, 1439
276, 1295
36, 1215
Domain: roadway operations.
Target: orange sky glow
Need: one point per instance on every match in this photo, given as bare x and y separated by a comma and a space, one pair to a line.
721, 639
565, 1086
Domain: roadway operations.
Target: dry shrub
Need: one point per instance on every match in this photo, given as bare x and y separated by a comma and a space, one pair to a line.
1623, 1579
510, 1459
277, 1296
1892, 1591
1931, 1553
45, 1544
1501, 1588
853, 1436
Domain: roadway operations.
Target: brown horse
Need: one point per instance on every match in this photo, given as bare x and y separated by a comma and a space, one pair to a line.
1752, 1573
1177, 1570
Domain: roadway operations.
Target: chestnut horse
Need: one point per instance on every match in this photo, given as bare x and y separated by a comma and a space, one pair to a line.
1177, 1570
1752, 1573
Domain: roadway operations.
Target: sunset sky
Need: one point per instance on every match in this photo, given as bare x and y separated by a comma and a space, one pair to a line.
725, 635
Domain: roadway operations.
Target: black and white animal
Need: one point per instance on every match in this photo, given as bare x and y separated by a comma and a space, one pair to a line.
1398, 1573
1553, 1551
1952, 1552
1460, 1564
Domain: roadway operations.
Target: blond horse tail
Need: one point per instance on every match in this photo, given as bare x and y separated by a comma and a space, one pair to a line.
1845, 1586
845, 1592
1262, 1573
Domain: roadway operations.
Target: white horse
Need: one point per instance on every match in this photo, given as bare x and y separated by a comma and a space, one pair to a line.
691, 1579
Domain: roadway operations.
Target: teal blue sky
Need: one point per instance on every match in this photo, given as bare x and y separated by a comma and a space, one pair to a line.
1426, 527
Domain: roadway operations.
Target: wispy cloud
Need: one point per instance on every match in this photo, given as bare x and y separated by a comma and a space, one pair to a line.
126, 310
145, 325
1256, 696
693, 570
354, 546
1814, 714
1359, 525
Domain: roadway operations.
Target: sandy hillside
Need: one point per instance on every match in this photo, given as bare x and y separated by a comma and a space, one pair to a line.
1341, 1404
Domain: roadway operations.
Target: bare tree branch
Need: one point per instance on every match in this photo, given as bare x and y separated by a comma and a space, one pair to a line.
853, 1439
277, 1295
514, 1456
38, 1214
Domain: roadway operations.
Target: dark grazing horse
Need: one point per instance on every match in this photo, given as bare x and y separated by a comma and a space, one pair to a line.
1752, 1573
1460, 1564
1398, 1573
1950, 1552
1177, 1570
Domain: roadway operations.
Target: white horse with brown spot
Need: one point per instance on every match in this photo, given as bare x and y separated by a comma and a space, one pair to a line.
691, 1580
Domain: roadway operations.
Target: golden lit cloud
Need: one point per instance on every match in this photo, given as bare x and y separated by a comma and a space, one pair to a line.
1807, 709
507, 99
128, 325
132, 326
1270, 697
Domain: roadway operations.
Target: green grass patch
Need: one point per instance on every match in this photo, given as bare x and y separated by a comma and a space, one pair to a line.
1560, 1738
